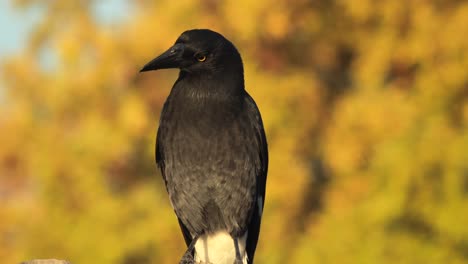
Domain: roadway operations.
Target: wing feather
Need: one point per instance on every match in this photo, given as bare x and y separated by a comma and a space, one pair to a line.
254, 226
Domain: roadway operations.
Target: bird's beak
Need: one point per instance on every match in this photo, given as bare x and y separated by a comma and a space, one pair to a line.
169, 59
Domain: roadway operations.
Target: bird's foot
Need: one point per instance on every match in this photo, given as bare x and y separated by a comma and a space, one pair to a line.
187, 259
238, 261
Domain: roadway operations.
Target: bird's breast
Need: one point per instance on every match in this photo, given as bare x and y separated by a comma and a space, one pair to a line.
204, 131
210, 157
204, 139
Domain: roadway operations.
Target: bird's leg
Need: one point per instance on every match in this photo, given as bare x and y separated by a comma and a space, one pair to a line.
188, 257
238, 256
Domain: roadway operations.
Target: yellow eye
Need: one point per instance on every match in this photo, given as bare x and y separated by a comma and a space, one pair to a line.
201, 58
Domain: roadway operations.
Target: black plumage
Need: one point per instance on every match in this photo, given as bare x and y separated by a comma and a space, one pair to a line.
211, 146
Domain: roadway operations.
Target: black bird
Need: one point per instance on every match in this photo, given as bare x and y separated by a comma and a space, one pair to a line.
211, 149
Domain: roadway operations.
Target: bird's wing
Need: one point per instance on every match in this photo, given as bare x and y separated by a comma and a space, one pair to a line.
187, 236
160, 157
261, 170
160, 162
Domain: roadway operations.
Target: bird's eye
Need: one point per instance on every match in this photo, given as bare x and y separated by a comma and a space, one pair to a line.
201, 58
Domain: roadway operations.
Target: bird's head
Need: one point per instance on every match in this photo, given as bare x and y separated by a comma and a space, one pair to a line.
199, 51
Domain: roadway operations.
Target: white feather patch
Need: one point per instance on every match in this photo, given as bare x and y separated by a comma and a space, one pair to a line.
218, 248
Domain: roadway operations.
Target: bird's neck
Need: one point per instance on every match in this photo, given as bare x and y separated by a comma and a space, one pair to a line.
210, 87
196, 98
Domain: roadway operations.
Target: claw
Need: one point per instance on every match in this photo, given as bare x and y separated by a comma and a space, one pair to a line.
187, 259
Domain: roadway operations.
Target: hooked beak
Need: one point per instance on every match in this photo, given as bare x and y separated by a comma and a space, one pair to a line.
169, 59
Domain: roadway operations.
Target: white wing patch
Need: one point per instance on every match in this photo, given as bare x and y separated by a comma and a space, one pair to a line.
218, 248
260, 205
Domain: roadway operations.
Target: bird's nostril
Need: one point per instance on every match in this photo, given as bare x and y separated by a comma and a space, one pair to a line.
177, 48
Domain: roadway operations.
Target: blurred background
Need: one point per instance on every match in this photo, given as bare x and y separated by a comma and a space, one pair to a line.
365, 104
